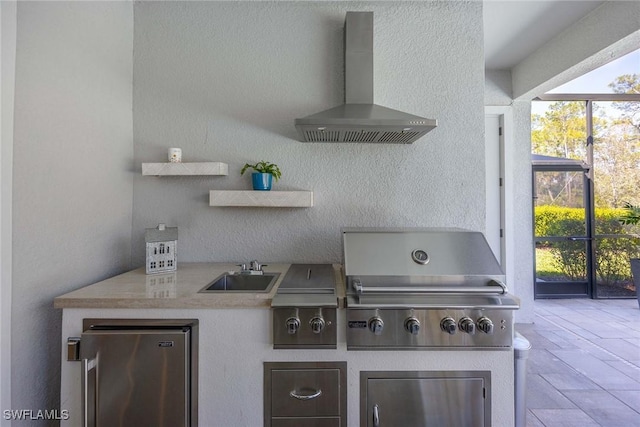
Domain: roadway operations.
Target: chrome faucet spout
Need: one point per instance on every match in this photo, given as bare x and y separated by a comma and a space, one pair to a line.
254, 268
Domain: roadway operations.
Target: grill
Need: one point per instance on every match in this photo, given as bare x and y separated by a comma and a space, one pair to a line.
425, 289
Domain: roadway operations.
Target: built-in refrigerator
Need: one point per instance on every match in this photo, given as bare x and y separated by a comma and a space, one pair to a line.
139, 372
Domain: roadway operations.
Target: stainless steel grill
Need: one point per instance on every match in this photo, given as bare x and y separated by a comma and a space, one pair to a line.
425, 289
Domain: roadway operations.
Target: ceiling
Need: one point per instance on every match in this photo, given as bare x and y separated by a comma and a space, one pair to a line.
514, 29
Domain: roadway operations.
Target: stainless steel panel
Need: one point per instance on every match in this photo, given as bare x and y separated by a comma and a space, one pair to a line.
418, 399
304, 300
304, 336
73, 349
290, 387
306, 422
308, 278
503, 302
390, 252
394, 334
305, 393
140, 372
358, 61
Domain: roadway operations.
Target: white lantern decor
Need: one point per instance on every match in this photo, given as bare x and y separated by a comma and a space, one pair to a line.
162, 249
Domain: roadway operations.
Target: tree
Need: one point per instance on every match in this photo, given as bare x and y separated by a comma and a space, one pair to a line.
628, 83
561, 132
617, 164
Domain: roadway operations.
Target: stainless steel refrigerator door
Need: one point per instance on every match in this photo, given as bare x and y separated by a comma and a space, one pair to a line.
137, 377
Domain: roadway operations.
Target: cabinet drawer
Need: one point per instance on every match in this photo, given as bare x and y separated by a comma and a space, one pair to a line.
305, 392
305, 422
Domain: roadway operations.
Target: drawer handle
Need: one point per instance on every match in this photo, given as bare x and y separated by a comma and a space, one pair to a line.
313, 395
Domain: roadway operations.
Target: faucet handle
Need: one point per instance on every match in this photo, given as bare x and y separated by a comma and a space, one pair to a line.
242, 266
255, 265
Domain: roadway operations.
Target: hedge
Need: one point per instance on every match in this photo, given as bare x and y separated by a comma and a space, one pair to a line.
612, 254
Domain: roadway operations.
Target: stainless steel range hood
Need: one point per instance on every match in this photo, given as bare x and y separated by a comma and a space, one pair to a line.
359, 119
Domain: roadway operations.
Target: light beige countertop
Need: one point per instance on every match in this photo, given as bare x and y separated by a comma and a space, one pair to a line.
178, 289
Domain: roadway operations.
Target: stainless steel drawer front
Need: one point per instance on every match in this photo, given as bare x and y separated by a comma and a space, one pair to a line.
306, 422
305, 392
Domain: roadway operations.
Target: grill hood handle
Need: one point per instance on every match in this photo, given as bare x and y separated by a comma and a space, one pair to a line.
493, 287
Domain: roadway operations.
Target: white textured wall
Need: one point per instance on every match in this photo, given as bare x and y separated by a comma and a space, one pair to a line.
72, 173
522, 220
497, 87
224, 81
7, 78
609, 32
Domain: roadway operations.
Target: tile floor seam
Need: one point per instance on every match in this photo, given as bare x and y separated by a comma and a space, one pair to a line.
615, 356
598, 415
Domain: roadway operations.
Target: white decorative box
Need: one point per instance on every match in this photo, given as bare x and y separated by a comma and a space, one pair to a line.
162, 249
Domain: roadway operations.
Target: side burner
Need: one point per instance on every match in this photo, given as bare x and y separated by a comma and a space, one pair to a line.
304, 308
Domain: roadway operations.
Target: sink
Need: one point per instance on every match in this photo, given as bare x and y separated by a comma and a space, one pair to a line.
242, 283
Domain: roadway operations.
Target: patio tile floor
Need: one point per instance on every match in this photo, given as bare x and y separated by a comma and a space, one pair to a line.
584, 364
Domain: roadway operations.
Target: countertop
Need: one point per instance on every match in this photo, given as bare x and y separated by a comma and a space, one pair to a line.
178, 289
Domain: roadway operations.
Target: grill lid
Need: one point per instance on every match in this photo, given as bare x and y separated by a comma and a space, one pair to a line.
419, 257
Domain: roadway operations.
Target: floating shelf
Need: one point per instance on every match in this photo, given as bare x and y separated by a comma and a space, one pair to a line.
185, 169
264, 199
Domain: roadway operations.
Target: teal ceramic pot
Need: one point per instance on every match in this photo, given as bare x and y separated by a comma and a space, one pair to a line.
261, 181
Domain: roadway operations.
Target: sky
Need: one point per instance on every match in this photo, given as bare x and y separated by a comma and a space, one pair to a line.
596, 81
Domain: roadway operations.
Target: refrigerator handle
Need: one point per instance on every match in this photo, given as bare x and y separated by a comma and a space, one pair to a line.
87, 365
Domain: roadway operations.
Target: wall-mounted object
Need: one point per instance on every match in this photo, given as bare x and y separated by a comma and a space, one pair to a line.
162, 245
359, 119
185, 169
175, 155
264, 199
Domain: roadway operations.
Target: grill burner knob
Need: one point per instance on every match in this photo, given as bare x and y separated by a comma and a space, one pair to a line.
485, 325
467, 325
375, 325
448, 325
317, 324
293, 324
412, 325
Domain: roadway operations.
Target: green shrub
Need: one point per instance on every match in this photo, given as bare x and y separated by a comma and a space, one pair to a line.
612, 253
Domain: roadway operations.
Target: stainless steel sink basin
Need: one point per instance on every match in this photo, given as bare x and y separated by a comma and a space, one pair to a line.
242, 283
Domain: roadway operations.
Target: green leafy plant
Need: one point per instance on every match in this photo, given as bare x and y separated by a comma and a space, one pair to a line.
631, 214
263, 167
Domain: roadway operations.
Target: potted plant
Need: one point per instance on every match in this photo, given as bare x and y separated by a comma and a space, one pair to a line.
632, 217
264, 173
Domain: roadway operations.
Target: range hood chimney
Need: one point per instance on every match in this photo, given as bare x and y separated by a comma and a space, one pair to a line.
359, 119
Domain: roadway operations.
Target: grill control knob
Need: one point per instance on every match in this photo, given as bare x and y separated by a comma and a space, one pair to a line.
317, 324
412, 325
293, 324
448, 325
485, 325
466, 325
375, 325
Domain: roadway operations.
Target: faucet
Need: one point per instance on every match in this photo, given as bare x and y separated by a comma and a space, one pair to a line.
254, 267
